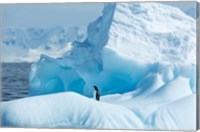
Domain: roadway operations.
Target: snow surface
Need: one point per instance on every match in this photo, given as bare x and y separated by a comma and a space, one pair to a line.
142, 56
170, 117
67, 110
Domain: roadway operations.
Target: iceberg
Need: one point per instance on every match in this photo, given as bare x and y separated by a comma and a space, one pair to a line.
109, 59
142, 56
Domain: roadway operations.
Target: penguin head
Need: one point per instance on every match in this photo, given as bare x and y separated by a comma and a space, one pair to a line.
95, 88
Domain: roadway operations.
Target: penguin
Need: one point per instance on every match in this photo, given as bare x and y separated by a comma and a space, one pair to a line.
96, 93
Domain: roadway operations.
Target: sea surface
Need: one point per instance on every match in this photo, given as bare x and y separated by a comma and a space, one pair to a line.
15, 80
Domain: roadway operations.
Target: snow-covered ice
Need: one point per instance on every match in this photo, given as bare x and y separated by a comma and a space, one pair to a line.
67, 110
142, 56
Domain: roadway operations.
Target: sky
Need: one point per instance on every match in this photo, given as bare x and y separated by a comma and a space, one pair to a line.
51, 15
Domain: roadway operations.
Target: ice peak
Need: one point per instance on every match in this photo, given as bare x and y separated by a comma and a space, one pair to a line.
98, 30
157, 31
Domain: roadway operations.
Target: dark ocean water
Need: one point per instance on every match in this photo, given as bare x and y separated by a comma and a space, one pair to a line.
15, 80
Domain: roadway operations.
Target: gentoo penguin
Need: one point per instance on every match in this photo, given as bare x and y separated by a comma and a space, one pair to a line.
96, 93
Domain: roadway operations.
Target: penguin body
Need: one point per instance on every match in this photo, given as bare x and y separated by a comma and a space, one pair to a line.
96, 94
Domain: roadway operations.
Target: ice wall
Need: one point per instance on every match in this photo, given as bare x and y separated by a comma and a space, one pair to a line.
48, 76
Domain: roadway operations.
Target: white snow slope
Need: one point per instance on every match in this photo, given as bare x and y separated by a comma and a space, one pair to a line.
67, 110
142, 56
